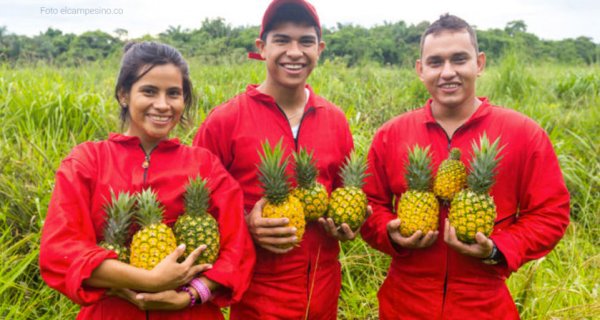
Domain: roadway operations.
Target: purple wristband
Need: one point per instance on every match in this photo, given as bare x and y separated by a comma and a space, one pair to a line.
203, 290
192, 297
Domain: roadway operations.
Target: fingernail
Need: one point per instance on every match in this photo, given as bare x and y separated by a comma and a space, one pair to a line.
210, 266
287, 220
293, 229
294, 239
139, 297
202, 247
181, 246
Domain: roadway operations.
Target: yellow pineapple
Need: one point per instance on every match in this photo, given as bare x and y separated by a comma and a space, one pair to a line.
473, 209
451, 176
197, 226
418, 208
311, 193
276, 187
155, 240
349, 203
118, 219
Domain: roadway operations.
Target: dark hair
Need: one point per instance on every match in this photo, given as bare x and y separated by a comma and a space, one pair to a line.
291, 12
452, 23
139, 59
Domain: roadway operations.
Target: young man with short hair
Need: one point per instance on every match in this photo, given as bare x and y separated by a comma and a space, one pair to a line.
434, 279
305, 279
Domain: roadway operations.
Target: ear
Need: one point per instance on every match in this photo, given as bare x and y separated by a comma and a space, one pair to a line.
260, 46
321, 47
419, 69
480, 63
123, 98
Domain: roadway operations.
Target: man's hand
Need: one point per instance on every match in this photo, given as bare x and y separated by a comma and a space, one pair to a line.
164, 300
416, 241
170, 274
270, 233
481, 249
343, 231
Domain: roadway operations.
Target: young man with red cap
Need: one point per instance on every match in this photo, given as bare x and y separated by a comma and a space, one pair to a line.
304, 280
433, 277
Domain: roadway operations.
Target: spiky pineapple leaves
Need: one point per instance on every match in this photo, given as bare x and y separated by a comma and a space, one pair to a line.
119, 212
473, 209
349, 203
276, 186
418, 208
197, 227
311, 193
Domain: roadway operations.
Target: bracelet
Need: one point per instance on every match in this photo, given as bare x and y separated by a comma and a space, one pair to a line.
203, 290
192, 297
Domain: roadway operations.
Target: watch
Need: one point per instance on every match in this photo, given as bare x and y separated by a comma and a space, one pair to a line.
495, 257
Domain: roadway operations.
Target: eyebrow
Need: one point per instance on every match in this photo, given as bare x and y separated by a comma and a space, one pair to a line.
149, 86
304, 37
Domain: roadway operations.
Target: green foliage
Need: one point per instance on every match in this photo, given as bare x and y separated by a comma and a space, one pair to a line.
47, 110
215, 41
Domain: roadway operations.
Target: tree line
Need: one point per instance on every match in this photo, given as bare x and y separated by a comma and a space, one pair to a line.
391, 43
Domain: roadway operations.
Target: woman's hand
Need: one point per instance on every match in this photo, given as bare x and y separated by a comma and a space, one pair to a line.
163, 300
170, 274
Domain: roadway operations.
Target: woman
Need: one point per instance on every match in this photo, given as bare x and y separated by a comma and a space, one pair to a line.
154, 91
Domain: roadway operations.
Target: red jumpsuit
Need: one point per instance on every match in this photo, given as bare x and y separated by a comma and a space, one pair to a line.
283, 285
532, 205
74, 224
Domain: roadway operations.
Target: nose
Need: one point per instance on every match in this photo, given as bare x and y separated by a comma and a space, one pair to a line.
161, 102
448, 70
294, 50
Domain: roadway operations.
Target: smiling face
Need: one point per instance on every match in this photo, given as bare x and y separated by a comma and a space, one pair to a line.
291, 51
156, 103
449, 67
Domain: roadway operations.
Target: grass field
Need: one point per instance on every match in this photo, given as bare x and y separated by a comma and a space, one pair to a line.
46, 110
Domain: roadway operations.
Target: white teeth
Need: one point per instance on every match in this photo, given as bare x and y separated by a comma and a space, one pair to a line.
159, 118
293, 66
450, 85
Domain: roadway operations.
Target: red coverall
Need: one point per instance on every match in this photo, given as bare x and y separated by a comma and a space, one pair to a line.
74, 224
283, 286
532, 205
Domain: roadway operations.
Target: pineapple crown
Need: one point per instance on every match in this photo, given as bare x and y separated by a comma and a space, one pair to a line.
197, 196
483, 165
418, 169
149, 209
353, 171
273, 176
118, 217
454, 154
306, 170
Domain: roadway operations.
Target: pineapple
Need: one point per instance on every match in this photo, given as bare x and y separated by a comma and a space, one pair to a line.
197, 226
418, 208
451, 176
311, 193
274, 180
473, 210
349, 204
118, 219
155, 240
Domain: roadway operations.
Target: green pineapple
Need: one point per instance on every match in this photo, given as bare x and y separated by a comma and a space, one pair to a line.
451, 176
274, 180
349, 203
197, 226
118, 219
155, 240
473, 209
418, 208
311, 193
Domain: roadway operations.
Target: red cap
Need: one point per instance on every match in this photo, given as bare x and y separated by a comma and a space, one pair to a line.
272, 11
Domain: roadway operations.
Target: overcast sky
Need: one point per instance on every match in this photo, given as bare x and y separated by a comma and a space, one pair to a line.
548, 19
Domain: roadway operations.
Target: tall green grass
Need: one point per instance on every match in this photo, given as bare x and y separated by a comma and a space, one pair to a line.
45, 111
